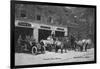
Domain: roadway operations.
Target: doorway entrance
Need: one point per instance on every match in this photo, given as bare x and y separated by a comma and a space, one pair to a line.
43, 34
59, 33
23, 32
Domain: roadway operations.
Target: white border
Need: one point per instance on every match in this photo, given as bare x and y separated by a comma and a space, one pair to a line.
5, 34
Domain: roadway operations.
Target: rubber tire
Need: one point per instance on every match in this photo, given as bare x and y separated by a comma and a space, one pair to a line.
34, 48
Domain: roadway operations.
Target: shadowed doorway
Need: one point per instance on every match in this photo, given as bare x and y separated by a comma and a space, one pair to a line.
43, 34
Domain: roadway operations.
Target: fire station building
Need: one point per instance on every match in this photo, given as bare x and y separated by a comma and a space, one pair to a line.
30, 21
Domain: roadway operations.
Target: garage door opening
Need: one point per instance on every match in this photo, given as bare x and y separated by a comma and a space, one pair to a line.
43, 34
59, 33
23, 32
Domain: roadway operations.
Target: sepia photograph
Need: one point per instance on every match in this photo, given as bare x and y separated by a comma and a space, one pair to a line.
51, 33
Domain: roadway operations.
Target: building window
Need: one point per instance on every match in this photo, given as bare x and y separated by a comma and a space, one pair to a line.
50, 20
38, 17
23, 13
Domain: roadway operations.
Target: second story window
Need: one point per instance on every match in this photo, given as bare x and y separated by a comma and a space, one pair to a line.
38, 17
23, 13
50, 20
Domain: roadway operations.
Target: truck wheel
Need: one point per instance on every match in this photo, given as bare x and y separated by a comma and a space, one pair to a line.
34, 50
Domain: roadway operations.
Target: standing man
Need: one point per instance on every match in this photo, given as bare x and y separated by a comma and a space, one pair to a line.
53, 35
72, 42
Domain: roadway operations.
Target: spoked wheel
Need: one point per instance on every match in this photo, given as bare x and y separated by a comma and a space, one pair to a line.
43, 49
34, 50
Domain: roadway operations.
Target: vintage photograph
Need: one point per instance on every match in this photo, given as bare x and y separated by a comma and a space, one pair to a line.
50, 34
